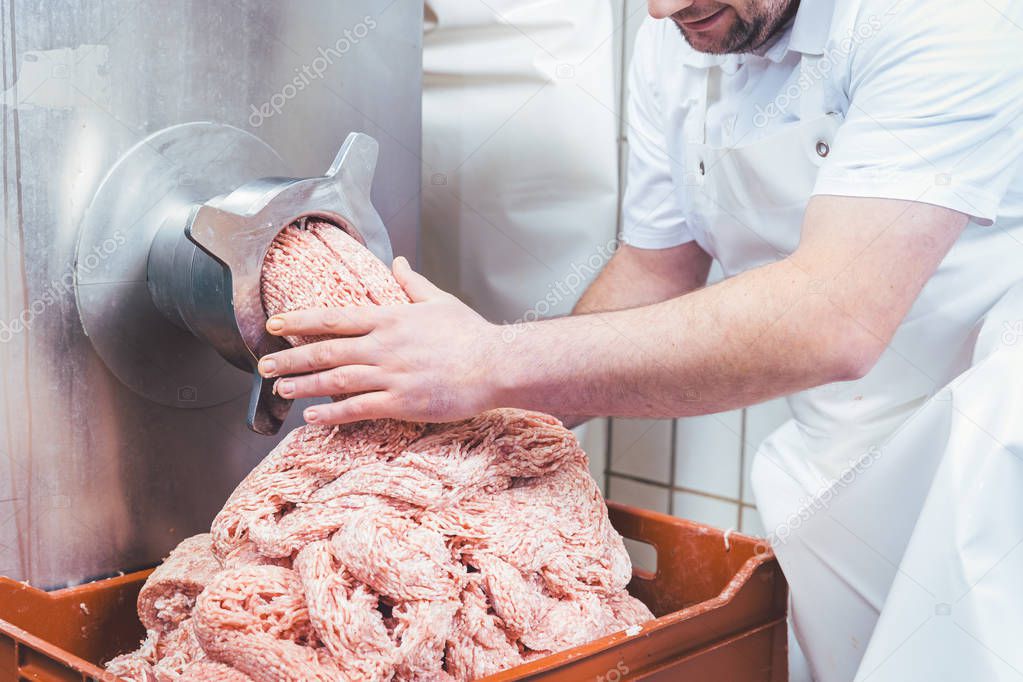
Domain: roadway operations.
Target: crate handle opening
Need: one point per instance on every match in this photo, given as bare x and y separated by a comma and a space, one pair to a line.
644, 557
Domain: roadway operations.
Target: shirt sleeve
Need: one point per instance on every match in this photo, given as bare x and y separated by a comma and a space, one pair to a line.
651, 215
935, 107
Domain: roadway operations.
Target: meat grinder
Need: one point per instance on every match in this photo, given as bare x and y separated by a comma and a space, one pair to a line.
198, 205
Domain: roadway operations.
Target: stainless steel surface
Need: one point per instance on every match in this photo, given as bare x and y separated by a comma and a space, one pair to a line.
95, 478
163, 175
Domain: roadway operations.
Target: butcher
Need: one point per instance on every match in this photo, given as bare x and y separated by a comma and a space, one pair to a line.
854, 168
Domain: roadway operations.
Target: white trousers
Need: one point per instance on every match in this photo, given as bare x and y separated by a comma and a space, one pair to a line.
911, 568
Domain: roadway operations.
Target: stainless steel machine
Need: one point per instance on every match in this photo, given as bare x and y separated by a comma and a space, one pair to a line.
151, 152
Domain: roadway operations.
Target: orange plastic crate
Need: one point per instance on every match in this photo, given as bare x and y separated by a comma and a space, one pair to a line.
721, 616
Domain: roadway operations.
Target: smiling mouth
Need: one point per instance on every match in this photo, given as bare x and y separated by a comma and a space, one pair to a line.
700, 24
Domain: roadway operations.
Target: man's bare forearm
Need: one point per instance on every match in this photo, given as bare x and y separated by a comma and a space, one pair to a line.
711, 350
822, 315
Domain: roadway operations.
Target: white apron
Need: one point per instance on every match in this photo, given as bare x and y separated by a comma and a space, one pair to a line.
895, 502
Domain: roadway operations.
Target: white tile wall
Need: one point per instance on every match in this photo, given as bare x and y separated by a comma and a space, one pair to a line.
638, 494
592, 438
750, 523
708, 453
642, 448
709, 510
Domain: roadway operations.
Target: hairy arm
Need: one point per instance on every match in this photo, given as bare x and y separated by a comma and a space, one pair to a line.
823, 314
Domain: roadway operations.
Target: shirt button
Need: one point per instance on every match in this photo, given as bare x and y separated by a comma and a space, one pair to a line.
822, 149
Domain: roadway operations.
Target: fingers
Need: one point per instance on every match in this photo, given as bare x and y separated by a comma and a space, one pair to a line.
375, 405
314, 357
351, 321
415, 285
336, 381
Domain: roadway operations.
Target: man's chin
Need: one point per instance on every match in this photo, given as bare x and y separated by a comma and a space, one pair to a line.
731, 35
705, 44
709, 43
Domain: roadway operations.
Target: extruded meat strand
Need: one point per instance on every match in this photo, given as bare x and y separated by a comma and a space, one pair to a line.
345, 615
480, 644
168, 596
387, 550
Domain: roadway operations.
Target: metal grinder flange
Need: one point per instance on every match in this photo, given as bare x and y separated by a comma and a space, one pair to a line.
171, 251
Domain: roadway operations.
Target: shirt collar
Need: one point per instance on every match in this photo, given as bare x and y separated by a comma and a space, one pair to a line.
811, 27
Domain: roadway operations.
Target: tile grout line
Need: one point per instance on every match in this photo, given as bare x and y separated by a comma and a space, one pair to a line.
742, 461
673, 450
607, 458
618, 226
609, 474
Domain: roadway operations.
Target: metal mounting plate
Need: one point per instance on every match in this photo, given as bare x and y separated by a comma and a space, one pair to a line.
164, 174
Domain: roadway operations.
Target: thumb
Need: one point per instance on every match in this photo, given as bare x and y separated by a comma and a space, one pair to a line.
415, 285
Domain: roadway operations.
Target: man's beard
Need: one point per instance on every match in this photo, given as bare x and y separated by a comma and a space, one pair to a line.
746, 35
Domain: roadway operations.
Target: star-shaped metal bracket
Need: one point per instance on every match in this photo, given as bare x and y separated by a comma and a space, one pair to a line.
237, 229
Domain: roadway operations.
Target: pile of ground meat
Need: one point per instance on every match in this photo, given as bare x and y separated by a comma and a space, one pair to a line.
387, 550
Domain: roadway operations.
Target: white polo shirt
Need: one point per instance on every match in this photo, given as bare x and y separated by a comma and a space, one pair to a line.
931, 92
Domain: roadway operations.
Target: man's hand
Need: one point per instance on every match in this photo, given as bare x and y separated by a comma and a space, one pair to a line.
422, 362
